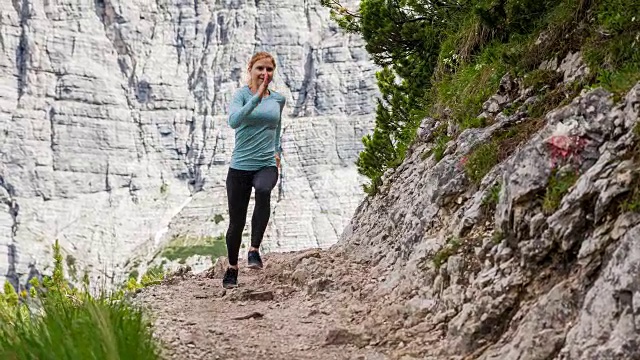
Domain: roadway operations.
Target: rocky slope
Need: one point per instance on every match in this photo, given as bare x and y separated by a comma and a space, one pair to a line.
538, 259
470, 271
113, 135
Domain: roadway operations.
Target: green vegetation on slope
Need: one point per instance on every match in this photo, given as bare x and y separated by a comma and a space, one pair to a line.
444, 58
55, 321
182, 247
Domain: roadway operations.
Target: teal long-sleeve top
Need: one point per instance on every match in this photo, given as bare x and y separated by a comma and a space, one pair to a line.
257, 124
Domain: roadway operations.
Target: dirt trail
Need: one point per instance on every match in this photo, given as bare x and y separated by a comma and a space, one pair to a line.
270, 315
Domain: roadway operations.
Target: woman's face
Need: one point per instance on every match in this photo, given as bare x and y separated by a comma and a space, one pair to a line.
261, 68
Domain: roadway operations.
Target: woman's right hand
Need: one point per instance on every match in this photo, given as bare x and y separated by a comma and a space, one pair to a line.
265, 84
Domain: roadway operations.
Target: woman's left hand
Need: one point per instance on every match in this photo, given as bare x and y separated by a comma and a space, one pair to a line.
277, 161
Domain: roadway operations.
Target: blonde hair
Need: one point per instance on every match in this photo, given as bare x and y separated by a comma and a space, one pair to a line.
257, 57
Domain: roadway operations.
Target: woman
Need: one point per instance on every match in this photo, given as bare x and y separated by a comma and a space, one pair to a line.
255, 113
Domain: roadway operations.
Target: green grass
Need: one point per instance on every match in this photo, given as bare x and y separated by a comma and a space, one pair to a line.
440, 146
481, 161
493, 195
55, 321
632, 202
183, 247
473, 60
440, 139
558, 186
460, 95
81, 328
502, 144
609, 41
540, 79
185, 252
450, 248
497, 237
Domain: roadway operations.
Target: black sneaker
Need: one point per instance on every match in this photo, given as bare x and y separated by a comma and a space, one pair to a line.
230, 279
254, 260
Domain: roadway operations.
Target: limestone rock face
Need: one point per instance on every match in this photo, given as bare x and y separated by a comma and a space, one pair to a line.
113, 134
539, 259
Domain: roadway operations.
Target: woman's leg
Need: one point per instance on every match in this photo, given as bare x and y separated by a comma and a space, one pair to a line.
238, 195
264, 181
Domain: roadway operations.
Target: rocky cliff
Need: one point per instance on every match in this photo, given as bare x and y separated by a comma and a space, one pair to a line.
113, 135
536, 258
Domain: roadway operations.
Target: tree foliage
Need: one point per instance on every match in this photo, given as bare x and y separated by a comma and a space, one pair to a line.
403, 37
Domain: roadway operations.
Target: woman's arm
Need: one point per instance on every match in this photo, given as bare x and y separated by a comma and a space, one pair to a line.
278, 148
238, 111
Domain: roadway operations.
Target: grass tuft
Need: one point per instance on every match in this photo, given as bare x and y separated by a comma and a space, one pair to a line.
54, 320
558, 186
503, 143
481, 161
450, 248
492, 197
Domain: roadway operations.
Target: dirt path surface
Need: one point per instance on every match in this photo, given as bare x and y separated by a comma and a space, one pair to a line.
275, 313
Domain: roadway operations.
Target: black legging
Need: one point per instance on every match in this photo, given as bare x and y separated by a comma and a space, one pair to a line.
239, 186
